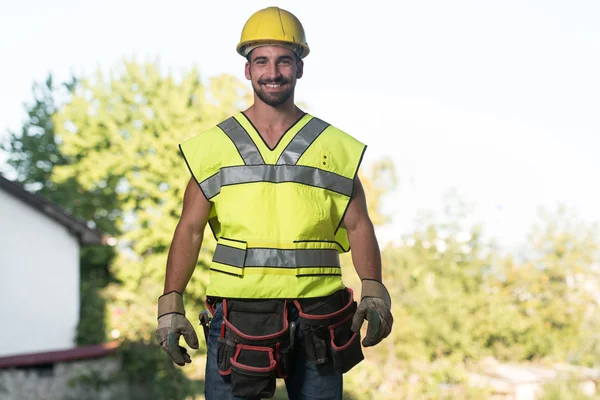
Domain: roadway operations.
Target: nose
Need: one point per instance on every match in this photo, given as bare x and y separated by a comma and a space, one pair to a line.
273, 71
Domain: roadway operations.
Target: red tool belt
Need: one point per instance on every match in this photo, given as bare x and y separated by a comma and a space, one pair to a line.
325, 323
254, 346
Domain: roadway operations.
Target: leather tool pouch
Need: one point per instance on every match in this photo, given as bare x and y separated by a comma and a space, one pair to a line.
325, 323
254, 346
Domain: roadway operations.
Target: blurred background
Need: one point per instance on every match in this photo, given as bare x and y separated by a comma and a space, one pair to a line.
482, 121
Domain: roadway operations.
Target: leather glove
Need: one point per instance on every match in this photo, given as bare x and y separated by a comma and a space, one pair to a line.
172, 323
375, 307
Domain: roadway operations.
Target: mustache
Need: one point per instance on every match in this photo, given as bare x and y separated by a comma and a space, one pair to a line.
281, 81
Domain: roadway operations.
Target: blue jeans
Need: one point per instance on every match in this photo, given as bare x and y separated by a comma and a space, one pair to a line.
304, 381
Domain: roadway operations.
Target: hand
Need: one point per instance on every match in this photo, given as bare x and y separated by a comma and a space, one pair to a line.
172, 324
170, 328
375, 307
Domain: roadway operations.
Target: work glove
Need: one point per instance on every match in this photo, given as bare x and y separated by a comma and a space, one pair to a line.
375, 307
172, 323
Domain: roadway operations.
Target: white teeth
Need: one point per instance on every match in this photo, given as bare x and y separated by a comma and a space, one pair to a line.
273, 85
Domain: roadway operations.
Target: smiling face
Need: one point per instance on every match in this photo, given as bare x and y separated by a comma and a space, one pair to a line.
273, 71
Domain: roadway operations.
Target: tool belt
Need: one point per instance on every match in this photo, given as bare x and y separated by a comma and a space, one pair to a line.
256, 339
325, 323
254, 345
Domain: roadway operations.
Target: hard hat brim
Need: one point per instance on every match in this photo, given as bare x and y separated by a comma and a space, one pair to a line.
242, 47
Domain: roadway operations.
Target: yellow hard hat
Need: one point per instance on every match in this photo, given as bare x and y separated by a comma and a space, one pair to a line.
273, 25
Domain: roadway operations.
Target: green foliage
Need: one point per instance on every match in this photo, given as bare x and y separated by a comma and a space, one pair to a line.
563, 390
457, 300
33, 154
151, 375
108, 153
34, 151
119, 134
95, 276
116, 163
92, 320
378, 179
145, 373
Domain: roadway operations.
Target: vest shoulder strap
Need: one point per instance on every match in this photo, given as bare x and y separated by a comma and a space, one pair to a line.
335, 151
206, 152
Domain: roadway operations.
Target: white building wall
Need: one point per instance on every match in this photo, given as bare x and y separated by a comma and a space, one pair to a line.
39, 280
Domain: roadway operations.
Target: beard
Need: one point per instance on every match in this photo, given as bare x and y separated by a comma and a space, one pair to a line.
273, 99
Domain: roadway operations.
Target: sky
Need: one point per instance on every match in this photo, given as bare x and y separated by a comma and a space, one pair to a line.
498, 100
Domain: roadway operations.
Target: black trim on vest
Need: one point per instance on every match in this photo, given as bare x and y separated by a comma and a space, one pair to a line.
212, 229
224, 272
191, 172
232, 240
320, 241
349, 200
210, 224
282, 136
288, 268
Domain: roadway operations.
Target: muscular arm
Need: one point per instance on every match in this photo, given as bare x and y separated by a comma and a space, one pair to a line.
361, 234
187, 239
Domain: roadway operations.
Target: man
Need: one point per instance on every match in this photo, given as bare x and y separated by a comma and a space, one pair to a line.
280, 190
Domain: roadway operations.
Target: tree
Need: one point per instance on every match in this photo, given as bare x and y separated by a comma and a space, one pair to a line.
456, 301
556, 286
378, 179
105, 149
33, 154
119, 135
34, 151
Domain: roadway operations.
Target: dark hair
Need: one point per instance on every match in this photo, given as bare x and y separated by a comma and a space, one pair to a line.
298, 55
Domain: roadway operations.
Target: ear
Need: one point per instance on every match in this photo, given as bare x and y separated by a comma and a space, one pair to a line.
247, 71
300, 69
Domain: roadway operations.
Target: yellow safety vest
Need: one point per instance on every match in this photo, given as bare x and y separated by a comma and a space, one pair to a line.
276, 213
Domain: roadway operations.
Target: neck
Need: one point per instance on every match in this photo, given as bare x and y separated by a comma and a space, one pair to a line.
282, 114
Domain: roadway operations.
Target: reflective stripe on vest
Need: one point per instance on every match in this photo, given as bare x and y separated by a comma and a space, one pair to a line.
277, 213
286, 170
279, 258
242, 141
276, 174
302, 141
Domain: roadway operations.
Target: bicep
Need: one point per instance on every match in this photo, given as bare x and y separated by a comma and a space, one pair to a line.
357, 209
196, 208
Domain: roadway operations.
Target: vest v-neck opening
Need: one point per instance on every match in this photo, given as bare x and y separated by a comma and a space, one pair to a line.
280, 138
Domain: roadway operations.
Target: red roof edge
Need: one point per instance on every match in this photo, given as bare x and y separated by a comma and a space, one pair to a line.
51, 357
